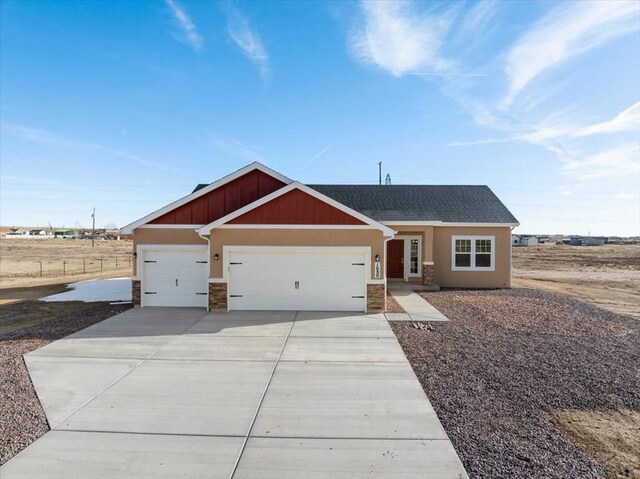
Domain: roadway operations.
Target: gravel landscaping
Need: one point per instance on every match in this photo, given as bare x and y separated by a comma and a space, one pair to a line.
22, 419
509, 360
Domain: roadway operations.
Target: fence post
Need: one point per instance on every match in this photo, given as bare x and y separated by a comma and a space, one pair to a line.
84, 266
101, 265
64, 268
40, 268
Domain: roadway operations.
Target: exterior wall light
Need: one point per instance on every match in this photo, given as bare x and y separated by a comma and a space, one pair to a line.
377, 257
216, 257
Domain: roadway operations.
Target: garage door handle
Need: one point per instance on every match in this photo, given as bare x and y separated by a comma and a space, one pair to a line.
357, 297
176, 282
297, 285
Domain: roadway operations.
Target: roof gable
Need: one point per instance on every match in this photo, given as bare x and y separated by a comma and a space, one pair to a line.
286, 206
223, 200
297, 208
202, 205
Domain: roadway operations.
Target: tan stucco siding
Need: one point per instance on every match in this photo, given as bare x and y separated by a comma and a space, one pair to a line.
294, 237
426, 232
443, 274
164, 236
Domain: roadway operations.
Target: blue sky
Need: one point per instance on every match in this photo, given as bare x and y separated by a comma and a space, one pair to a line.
125, 106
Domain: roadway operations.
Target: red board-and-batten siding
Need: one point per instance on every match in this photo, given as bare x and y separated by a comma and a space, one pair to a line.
223, 200
296, 208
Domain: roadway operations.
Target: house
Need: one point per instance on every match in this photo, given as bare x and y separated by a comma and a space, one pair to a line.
17, 232
524, 240
594, 240
64, 234
257, 240
588, 240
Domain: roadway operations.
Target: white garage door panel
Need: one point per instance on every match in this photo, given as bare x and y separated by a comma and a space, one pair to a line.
327, 280
175, 278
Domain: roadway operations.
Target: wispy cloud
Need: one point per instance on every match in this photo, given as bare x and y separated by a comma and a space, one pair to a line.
38, 135
615, 162
627, 120
236, 148
567, 31
247, 39
319, 154
189, 33
399, 39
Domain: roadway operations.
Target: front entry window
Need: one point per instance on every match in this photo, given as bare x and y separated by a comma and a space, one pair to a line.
414, 257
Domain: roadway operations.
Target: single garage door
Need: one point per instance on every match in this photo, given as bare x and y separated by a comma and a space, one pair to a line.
281, 279
175, 277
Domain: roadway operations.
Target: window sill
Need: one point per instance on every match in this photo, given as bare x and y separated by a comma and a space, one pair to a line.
474, 269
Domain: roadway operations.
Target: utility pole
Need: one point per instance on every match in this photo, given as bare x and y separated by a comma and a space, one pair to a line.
93, 227
379, 172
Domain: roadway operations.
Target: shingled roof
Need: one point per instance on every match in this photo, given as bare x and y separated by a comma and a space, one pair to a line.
449, 204
446, 203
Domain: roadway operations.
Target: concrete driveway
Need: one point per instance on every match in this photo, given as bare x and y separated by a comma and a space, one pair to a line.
178, 392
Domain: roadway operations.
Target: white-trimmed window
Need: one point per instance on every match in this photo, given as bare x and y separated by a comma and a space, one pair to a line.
473, 253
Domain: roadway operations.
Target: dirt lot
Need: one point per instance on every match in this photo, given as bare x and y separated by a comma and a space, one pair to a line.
530, 384
22, 419
607, 276
20, 261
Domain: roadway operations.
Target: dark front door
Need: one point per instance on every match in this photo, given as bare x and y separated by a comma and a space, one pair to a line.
395, 258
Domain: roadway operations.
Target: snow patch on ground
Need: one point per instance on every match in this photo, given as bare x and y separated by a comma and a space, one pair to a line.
112, 289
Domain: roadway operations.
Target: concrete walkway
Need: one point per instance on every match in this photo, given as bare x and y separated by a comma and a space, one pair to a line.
416, 307
176, 392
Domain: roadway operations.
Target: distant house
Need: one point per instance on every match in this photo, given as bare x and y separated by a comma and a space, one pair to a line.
588, 240
64, 234
16, 232
20, 233
594, 240
524, 240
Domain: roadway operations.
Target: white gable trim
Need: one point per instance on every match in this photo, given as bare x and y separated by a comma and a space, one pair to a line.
205, 230
207, 189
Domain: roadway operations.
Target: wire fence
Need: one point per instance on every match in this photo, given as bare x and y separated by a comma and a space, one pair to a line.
64, 266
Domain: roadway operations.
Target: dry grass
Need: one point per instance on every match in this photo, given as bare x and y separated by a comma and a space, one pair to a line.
607, 276
20, 261
611, 437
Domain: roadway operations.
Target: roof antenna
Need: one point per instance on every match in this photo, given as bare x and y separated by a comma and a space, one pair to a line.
380, 173
387, 180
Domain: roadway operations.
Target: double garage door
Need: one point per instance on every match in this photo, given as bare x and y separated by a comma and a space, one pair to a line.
282, 279
327, 279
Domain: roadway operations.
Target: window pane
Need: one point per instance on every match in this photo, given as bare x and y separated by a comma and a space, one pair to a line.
483, 246
483, 260
414, 257
463, 246
463, 260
